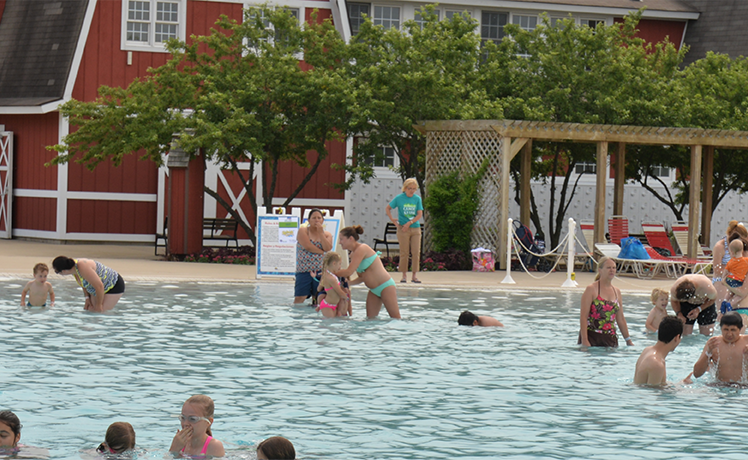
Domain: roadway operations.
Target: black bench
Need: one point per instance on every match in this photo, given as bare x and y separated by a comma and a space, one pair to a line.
221, 230
390, 229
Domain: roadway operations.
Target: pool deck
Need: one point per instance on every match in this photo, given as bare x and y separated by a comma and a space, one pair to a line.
137, 262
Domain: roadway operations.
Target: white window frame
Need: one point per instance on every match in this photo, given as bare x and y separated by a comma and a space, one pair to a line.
586, 21
349, 17
386, 172
301, 16
528, 17
374, 19
152, 46
501, 31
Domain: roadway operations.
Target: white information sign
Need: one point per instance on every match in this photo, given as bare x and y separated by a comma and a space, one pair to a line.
276, 245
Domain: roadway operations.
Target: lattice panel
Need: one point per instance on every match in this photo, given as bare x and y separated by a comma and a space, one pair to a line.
447, 151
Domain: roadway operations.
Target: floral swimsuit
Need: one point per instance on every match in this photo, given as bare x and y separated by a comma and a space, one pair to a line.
603, 315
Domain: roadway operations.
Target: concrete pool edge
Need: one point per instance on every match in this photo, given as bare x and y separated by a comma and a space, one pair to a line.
137, 263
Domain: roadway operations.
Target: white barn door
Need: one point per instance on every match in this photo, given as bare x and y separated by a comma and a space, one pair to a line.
6, 183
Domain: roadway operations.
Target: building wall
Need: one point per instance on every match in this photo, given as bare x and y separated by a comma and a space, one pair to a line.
35, 185
657, 30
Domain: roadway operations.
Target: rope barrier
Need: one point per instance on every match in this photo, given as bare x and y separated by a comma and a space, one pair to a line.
563, 242
558, 259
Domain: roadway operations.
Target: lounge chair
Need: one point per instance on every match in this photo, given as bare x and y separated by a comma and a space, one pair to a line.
657, 236
642, 268
680, 231
618, 227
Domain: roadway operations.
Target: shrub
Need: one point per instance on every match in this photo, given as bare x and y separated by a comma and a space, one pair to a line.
452, 202
452, 259
245, 255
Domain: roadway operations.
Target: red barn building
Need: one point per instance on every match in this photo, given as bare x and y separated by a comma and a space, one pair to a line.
52, 51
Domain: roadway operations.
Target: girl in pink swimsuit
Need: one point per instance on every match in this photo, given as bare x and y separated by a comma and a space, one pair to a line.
336, 301
195, 438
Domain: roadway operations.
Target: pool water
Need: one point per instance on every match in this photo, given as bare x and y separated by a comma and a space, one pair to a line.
420, 388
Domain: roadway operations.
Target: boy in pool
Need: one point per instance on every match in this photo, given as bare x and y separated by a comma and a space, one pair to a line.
468, 318
727, 352
650, 368
659, 311
38, 289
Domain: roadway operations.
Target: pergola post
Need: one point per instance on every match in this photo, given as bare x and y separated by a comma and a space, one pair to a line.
602, 160
694, 202
525, 175
506, 158
620, 179
706, 197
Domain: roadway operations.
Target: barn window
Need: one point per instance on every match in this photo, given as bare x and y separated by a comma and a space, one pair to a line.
149, 24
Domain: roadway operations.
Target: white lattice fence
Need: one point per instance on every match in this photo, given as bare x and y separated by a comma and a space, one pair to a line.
465, 150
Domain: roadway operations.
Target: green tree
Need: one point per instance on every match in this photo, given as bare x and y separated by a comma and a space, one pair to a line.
237, 95
404, 76
574, 73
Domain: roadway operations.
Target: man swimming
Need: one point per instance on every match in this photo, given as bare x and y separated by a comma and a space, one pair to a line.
650, 368
727, 352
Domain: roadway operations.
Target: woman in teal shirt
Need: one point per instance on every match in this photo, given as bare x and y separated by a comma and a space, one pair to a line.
409, 212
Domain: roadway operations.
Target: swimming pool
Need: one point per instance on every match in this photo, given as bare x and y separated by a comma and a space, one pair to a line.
421, 388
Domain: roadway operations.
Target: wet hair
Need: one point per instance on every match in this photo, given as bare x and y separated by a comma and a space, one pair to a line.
330, 258
120, 436
731, 227
737, 246
685, 291
40, 267
409, 182
206, 403
600, 264
467, 318
313, 210
63, 263
657, 292
277, 448
732, 318
670, 327
9, 418
352, 232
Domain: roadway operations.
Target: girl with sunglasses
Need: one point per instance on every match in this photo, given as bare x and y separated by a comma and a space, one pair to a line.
195, 437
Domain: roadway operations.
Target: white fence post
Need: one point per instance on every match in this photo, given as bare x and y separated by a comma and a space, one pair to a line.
508, 278
571, 244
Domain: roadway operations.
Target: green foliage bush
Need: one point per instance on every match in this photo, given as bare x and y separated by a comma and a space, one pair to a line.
452, 202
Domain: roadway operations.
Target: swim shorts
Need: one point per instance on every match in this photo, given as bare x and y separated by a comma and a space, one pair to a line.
119, 286
707, 316
733, 283
28, 304
599, 339
306, 286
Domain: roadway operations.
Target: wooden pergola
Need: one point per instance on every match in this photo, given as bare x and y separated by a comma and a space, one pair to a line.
515, 136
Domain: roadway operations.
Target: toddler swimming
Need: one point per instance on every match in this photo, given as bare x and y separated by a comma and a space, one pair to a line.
38, 289
336, 301
276, 448
120, 437
659, 311
195, 437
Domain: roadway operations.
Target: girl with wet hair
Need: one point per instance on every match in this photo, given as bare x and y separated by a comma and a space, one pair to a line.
10, 429
120, 437
276, 448
195, 437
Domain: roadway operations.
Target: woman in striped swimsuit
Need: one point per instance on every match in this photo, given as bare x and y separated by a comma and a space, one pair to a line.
102, 286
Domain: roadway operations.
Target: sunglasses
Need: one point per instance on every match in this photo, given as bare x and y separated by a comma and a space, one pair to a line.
192, 418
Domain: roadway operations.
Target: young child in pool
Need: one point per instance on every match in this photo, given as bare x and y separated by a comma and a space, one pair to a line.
10, 430
276, 448
120, 437
38, 289
736, 269
336, 301
659, 311
468, 318
195, 437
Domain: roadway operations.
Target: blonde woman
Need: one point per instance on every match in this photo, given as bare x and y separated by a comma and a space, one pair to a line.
409, 212
602, 310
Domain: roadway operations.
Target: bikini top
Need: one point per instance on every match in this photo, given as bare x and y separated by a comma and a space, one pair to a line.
366, 263
726, 258
336, 280
205, 446
108, 277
